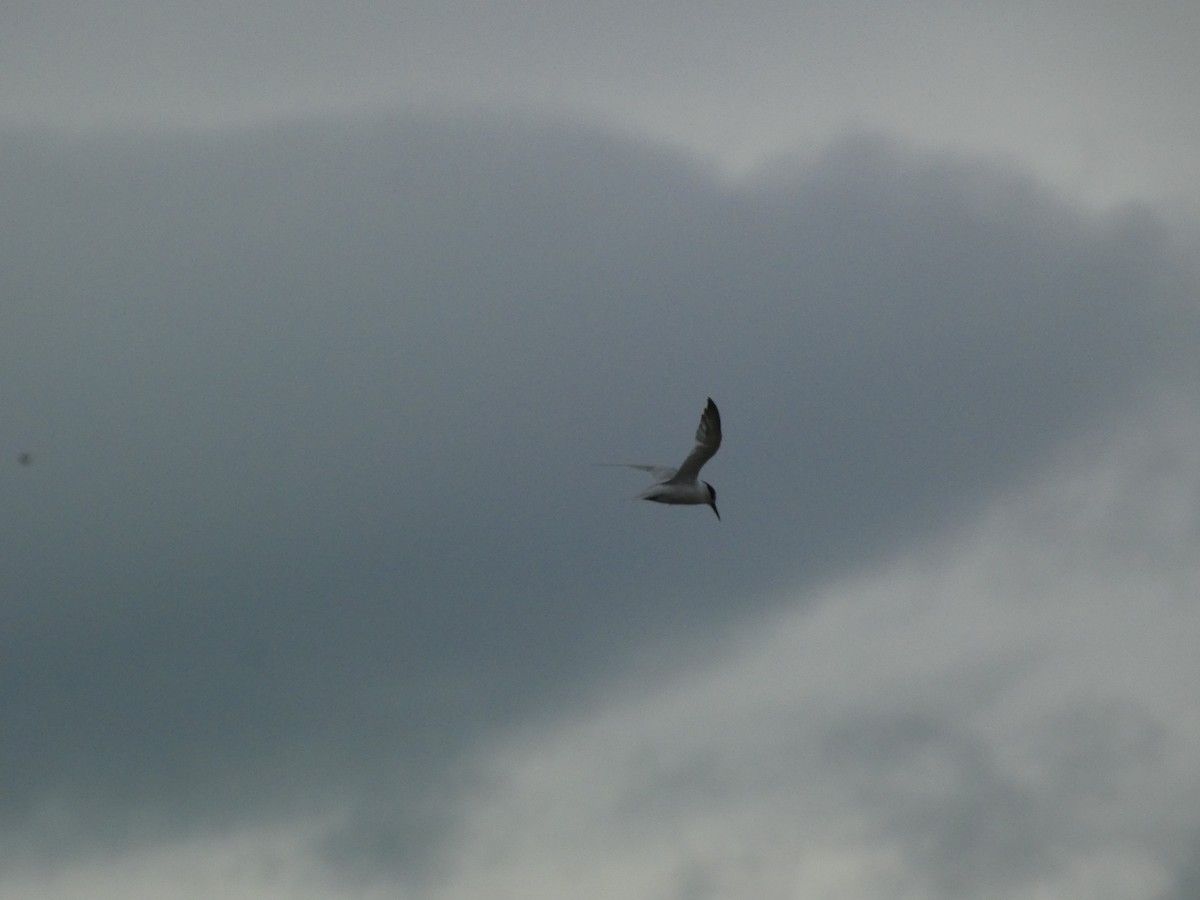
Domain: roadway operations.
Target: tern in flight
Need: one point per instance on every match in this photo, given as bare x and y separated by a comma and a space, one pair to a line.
683, 485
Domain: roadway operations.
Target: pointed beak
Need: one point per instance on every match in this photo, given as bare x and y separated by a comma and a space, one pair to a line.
714, 509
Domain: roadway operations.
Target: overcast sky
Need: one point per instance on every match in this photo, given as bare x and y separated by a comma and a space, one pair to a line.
315, 317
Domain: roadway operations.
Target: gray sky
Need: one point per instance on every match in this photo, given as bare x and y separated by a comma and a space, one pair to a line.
314, 322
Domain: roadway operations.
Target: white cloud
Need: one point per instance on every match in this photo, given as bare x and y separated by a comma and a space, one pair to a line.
1010, 715
1097, 100
259, 863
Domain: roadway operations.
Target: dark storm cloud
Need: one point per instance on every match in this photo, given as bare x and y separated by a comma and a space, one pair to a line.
1187, 881
315, 407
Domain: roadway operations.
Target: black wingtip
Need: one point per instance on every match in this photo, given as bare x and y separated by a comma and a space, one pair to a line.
711, 410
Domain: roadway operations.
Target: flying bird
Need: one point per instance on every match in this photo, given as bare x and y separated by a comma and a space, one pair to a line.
682, 485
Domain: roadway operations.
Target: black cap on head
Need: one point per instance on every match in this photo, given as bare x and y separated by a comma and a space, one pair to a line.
712, 498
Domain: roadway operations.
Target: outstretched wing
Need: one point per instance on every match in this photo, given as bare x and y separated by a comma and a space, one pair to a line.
708, 442
659, 473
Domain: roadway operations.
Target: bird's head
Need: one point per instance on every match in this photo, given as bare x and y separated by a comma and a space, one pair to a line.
712, 498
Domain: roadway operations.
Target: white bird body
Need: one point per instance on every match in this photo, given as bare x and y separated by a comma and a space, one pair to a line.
692, 493
683, 486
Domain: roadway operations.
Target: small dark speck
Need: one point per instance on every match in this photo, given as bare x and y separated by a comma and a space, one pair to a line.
24, 458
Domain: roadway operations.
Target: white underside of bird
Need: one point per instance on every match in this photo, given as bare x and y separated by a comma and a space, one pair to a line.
683, 485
